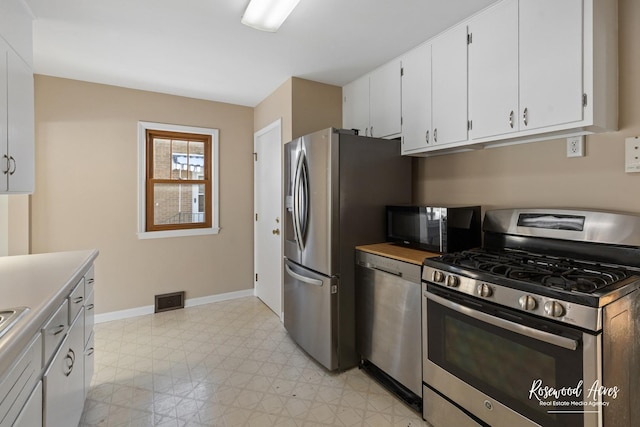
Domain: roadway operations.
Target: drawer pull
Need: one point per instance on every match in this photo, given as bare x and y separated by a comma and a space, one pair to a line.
78, 300
60, 329
90, 307
69, 361
90, 281
90, 351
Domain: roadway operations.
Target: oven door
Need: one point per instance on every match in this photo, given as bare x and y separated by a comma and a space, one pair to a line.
506, 368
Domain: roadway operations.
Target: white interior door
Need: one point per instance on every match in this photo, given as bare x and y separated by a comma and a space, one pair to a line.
267, 176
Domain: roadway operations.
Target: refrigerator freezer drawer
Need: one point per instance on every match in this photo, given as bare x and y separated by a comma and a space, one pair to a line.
310, 307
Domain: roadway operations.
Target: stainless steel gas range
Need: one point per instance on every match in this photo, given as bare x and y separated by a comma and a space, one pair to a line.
539, 327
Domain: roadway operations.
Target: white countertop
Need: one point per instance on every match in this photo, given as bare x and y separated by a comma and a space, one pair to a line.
40, 282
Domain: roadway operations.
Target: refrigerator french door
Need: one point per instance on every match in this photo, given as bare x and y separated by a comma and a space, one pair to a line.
337, 185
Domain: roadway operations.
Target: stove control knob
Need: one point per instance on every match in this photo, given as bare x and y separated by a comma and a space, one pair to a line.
453, 281
527, 302
485, 290
438, 276
554, 309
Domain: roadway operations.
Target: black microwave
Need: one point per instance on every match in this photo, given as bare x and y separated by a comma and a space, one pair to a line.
436, 229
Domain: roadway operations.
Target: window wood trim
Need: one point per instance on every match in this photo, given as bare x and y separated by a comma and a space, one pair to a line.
146, 134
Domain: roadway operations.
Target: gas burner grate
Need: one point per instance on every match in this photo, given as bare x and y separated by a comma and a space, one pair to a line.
559, 273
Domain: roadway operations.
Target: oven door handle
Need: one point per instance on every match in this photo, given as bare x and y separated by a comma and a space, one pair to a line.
547, 337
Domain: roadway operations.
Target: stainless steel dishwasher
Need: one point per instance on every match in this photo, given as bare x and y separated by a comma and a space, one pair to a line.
388, 323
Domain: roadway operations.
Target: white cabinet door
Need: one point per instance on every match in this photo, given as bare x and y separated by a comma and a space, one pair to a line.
20, 113
355, 106
551, 85
17, 144
416, 99
64, 380
385, 106
31, 414
493, 71
449, 86
89, 363
4, 147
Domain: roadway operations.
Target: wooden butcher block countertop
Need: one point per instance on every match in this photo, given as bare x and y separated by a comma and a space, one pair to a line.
401, 253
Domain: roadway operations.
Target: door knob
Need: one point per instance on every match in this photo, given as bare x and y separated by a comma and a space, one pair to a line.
276, 231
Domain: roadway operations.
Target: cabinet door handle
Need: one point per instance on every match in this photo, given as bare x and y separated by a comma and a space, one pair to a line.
511, 119
90, 281
435, 135
525, 116
90, 352
69, 361
371, 131
90, 307
60, 329
6, 171
14, 165
427, 136
78, 300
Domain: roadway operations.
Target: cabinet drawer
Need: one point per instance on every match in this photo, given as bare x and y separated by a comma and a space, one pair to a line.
54, 331
89, 278
18, 384
89, 317
76, 301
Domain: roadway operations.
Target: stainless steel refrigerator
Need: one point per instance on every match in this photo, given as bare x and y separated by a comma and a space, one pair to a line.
336, 187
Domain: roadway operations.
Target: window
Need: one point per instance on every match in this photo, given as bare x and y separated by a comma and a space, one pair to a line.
178, 180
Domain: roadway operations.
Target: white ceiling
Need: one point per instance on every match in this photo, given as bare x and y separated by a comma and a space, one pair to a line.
199, 49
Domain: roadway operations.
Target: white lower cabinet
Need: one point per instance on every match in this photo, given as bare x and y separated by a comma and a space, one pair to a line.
64, 380
46, 385
89, 363
31, 415
17, 384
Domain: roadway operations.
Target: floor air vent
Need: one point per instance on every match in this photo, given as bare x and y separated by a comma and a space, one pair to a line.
172, 301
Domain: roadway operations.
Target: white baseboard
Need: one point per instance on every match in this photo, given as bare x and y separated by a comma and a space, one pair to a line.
192, 302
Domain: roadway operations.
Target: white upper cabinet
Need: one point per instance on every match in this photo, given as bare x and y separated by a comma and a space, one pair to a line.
372, 103
17, 153
449, 86
20, 135
551, 84
416, 100
385, 107
355, 105
519, 71
493, 72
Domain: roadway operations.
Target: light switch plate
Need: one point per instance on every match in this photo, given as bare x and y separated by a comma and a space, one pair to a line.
632, 154
575, 146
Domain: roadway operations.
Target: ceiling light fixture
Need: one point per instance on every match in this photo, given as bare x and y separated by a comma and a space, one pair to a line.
268, 15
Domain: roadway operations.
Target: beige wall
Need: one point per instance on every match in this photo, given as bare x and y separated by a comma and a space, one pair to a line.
86, 192
14, 225
315, 106
540, 174
304, 106
276, 106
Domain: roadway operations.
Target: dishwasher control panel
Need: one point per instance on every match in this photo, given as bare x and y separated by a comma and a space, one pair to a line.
405, 270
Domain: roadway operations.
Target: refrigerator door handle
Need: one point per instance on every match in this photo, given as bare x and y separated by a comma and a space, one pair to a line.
302, 278
295, 215
304, 180
300, 200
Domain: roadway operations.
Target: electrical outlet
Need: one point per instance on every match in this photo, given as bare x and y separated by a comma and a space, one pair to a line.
575, 146
632, 154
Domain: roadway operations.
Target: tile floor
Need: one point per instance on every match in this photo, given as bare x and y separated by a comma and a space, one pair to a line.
225, 364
